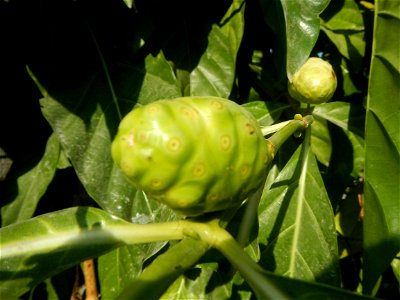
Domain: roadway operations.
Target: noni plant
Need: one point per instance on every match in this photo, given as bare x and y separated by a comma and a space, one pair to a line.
195, 154
138, 172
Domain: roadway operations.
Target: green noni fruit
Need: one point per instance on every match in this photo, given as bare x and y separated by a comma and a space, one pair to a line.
195, 154
314, 83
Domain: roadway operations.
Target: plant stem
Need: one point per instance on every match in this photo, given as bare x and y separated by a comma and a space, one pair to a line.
287, 131
249, 217
108, 234
249, 269
273, 128
90, 280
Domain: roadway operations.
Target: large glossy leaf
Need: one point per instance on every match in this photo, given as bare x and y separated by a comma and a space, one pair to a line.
200, 282
345, 28
299, 289
298, 236
302, 30
215, 73
343, 114
349, 86
85, 120
321, 143
32, 185
266, 112
43, 256
118, 267
396, 267
296, 25
382, 140
38, 248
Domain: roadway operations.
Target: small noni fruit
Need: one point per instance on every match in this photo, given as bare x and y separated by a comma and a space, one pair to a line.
314, 83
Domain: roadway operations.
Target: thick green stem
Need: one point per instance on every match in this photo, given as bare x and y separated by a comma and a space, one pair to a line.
267, 130
120, 234
249, 269
287, 131
249, 217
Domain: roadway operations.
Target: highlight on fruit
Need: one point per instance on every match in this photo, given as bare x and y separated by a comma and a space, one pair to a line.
194, 154
314, 83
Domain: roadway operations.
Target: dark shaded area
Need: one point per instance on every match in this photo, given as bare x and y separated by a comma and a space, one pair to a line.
350, 268
23, 131
61, 282
180, 28
262, 19
389, 288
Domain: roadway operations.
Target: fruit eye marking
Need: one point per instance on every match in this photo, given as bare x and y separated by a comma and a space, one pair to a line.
174, 144
244, 170
131, 139
250, 129
225, 142
188, 113
156, 183
199, 170
217, 104
142, 136
213, 197
153, 108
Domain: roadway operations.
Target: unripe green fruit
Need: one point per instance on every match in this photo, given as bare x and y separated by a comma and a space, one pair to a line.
195, 154
314, 83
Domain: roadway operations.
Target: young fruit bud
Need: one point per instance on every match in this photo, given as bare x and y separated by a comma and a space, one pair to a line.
314, 83
195, 154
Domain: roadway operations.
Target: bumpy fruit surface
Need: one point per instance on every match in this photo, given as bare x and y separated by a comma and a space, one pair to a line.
314, 83
195, 154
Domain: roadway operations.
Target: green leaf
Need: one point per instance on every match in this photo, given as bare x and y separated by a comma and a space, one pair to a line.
195, 283
345, 28
321, 143
117, 268
349, 86
297, 224
129, 3
396, 267
32, 185
298, 289
86, 127
302, 30
342, 17
268, 285
382, 142
343, 114
266, 112
43, 255
350, 45
358, 145
215, 73
38, 248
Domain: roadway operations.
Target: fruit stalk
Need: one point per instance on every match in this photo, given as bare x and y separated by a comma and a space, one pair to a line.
249, 269
298, 124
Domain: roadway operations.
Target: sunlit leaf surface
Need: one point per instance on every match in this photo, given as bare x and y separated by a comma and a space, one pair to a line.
298, 237
382, 142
